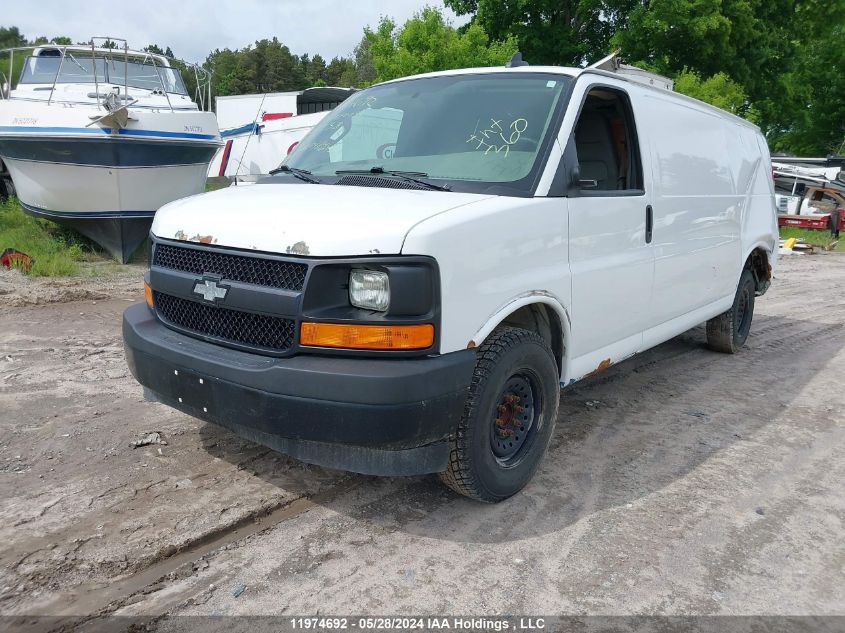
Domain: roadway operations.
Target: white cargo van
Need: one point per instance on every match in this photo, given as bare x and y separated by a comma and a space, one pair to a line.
441, 255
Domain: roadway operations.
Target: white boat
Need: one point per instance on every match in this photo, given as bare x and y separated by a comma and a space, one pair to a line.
259, 131
99, 138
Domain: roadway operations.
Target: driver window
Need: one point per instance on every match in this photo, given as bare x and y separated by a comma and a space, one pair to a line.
606, 143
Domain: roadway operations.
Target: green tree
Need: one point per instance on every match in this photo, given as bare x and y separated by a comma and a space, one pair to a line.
745, 39
365, 71
223, 63
341, 72
62, 40
718, 90
268, 66
783, 54
426, 43
563, 32
11, 37
316, 74
809, 119
155, 49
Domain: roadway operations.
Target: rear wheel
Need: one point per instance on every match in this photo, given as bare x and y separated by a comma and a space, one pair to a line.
727, 332
508, 418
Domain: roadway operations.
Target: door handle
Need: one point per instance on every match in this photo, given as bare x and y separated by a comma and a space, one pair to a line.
649, 224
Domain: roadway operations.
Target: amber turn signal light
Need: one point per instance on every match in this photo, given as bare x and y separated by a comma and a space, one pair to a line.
354, 336
148, 295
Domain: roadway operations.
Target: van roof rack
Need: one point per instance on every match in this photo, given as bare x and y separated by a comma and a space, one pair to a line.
613, 63
516, 61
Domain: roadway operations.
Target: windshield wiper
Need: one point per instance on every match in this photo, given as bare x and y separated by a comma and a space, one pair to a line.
409, 176
302, 174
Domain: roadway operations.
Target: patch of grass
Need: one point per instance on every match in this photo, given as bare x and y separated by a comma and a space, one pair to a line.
822, 239
216, 182
56, 250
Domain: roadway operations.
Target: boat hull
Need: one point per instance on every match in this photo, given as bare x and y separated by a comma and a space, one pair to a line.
106, 204
120, 235
105, 183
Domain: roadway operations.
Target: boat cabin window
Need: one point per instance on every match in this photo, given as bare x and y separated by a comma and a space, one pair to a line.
43, 69
147, 76
80, 69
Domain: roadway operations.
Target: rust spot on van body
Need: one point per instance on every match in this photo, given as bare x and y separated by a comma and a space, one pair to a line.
606, 363
471, 345
300, 248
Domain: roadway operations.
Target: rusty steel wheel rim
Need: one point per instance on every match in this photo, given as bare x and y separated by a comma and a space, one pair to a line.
514, 419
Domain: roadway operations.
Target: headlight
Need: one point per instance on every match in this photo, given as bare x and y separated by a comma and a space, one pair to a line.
369, 290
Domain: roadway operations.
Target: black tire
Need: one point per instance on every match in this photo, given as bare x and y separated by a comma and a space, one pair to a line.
513, 400
727, 332
7, 188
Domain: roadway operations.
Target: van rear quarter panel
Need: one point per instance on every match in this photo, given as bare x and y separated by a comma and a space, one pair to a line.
760, 222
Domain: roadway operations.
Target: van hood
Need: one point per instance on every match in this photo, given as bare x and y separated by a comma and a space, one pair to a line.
305, 219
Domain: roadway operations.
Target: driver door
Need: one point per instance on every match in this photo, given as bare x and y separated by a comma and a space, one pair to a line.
610, 254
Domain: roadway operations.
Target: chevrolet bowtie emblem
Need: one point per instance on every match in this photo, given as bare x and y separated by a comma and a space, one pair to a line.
209, 290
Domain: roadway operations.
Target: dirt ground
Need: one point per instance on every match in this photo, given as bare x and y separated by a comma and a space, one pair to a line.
678, 482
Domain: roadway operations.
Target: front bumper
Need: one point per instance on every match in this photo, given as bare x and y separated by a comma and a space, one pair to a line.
373, 416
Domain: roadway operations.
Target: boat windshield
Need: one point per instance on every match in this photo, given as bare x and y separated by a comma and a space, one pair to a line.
472, 131
80, 69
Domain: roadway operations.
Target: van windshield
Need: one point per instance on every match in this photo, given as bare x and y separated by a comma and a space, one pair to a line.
473, 131
77, 68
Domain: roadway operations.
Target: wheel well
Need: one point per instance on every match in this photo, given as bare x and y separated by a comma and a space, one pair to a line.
758, 264
540, 318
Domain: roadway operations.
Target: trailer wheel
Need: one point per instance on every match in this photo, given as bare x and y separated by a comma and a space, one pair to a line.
727, 332
508, 418
7, 188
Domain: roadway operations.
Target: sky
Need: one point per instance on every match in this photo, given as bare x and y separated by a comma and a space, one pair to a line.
193, 28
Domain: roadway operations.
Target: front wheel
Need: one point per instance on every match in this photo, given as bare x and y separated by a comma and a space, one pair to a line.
508, 418
727, 332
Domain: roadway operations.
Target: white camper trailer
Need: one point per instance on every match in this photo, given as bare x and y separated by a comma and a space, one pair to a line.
259, 131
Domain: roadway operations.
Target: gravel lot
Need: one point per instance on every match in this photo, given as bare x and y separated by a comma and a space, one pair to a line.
678, 482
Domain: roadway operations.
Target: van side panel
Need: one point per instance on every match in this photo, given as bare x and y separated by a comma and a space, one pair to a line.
697, 208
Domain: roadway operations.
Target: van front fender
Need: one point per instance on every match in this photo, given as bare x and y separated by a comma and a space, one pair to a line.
520, 301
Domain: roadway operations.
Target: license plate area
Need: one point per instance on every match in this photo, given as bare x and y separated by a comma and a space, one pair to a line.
191, 390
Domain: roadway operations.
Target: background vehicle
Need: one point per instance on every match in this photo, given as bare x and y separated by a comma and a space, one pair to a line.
259, 131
